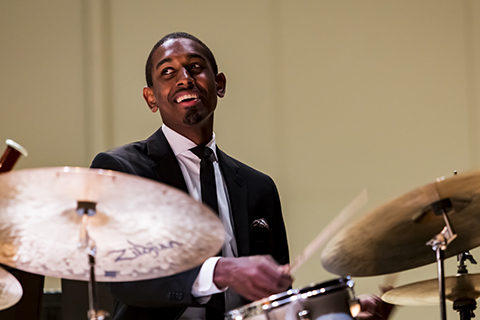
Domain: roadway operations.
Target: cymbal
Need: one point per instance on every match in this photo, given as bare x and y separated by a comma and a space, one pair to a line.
392, 237
10, 289
459, 287
142, 229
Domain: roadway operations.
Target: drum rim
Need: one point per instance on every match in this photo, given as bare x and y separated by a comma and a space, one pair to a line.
259, 306
329, 285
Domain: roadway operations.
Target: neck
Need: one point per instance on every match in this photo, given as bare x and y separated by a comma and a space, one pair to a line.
200, 135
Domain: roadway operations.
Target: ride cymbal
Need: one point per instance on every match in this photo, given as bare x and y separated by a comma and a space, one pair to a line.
142, 229
393, 237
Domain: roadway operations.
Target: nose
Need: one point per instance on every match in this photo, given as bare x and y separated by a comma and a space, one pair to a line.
184, 78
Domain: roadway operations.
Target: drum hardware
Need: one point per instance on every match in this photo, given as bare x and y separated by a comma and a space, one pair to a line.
86, 209
304, 315
355, 307
465, 307
439, 244
462, 258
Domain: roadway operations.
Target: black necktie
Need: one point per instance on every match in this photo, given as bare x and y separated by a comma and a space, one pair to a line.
215, 307
207, 176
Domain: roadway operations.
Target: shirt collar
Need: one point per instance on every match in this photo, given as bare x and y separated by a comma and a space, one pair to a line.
181, 144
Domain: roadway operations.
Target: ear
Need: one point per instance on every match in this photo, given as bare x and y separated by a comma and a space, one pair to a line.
221, 82
150, 99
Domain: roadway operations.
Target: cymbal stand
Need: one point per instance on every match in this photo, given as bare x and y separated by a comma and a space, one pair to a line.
86, 209
461, 258
465, 307
439, 244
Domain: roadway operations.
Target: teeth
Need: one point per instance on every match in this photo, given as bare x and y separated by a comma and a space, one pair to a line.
187, 96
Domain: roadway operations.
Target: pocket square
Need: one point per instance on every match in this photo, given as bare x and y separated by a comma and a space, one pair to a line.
259, 223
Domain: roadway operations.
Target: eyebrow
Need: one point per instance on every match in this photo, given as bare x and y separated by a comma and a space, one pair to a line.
190, 56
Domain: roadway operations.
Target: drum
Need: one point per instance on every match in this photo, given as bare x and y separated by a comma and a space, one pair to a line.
330, 300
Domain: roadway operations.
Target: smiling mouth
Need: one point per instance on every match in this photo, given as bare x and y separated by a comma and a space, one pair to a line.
187, 97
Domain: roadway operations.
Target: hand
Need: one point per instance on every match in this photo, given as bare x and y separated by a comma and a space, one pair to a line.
254, 277
374, 308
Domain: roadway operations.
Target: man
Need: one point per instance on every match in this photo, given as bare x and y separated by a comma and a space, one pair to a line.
183, 84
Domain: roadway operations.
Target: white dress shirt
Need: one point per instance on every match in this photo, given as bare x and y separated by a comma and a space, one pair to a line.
203, 286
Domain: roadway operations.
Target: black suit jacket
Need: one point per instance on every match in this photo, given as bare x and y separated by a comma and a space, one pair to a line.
253, 195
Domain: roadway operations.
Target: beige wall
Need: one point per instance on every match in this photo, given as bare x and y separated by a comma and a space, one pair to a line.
328, 97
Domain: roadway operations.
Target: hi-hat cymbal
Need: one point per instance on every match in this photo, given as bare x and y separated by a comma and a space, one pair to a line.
142, 229
392, 237
423, 293
10, 289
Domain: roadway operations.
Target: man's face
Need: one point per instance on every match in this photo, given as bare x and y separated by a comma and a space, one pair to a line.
185, 89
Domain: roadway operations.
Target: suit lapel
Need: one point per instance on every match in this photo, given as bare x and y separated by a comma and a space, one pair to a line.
237, 193
166, 167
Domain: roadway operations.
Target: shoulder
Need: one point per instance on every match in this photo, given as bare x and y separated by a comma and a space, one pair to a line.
133, 148
248, 173
142, 154
122, 158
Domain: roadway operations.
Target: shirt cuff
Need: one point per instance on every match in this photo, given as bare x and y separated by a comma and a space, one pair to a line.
203, 285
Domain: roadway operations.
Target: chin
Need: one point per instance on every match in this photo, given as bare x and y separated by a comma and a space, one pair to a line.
192, 118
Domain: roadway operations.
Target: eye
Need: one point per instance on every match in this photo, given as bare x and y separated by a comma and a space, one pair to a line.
195, 66
167, 71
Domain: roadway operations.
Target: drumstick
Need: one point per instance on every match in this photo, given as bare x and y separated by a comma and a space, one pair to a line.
329, 230
388, 282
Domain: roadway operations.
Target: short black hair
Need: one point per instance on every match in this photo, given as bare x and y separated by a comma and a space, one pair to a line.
176, 35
